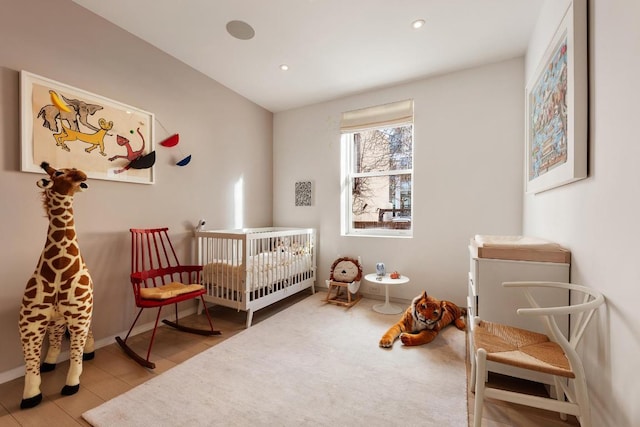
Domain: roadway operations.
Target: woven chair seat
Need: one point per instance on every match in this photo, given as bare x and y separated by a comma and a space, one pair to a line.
521, 348
169, 290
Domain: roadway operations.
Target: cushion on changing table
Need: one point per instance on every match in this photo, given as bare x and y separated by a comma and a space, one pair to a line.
518, 248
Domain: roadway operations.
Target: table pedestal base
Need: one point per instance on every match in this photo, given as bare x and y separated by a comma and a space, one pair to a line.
387, 308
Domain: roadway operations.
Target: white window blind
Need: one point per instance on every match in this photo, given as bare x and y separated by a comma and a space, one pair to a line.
386, 115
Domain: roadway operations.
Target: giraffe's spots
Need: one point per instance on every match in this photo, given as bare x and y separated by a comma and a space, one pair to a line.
27, 336
29, 295
58, 223
58, 210
62, 263
73, 250
72, 270
36, 318
51, 252
81, 293
58, 235
47, 273
48, 288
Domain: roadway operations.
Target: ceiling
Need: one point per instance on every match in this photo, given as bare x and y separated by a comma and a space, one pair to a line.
333, 48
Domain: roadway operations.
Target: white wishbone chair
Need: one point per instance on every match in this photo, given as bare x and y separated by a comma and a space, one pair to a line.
552, 354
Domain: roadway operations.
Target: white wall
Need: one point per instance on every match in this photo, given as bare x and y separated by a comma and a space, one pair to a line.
228, 137
468, 175
598, 218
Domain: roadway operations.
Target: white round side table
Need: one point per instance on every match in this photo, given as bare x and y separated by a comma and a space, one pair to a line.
386, 307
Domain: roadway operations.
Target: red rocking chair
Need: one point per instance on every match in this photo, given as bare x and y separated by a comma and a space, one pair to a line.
158, 280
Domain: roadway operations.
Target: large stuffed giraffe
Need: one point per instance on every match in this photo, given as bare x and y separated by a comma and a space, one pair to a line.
60, 288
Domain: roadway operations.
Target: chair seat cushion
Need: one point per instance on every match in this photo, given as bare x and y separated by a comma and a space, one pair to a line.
521, 348
169, 290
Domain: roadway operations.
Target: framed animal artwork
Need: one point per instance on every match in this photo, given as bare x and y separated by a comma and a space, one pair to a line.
71, 127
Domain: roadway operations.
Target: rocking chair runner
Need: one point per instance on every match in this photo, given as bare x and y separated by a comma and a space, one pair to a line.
158, 280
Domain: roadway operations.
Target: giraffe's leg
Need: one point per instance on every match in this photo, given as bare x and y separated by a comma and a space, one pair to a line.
89, 351
79, 332
56, 331
32, 335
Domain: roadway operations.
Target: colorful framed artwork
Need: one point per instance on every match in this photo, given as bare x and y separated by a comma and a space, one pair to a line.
556, 107
69, 127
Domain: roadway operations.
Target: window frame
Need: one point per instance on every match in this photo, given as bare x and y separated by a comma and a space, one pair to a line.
348, 174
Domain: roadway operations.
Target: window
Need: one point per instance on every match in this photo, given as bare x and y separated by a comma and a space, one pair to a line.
377, 170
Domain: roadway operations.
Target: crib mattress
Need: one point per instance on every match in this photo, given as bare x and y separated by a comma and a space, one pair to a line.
262, 270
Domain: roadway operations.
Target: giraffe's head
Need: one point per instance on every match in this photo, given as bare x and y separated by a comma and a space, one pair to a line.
63, 181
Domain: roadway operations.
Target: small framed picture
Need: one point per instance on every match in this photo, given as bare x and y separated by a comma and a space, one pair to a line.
303, 193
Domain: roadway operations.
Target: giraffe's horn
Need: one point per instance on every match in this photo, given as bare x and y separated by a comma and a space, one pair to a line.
47, 168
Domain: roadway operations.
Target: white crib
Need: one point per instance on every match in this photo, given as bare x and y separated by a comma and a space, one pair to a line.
249, 269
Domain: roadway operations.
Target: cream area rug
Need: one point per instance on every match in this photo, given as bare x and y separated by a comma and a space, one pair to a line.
312, 364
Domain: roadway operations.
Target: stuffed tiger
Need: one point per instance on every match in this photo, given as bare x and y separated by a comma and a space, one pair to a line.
423, 319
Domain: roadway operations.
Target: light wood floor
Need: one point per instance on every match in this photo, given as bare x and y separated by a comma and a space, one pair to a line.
112, 373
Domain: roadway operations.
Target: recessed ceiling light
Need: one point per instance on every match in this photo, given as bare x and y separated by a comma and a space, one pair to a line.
284, 67
240, 30
418, 23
